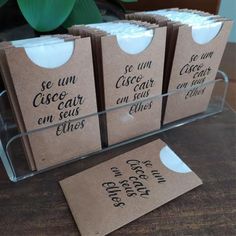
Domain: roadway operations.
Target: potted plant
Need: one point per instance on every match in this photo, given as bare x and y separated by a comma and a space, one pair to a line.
48, 15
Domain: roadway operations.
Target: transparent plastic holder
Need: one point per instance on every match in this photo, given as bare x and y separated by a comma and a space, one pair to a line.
11, 145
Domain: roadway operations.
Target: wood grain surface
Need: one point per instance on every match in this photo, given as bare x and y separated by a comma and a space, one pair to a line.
36, 206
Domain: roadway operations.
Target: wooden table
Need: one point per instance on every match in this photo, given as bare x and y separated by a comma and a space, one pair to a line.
37, 206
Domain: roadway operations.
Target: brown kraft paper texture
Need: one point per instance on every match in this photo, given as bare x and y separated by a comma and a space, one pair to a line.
116, 192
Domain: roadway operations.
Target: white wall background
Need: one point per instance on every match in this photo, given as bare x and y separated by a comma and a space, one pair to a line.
228, 9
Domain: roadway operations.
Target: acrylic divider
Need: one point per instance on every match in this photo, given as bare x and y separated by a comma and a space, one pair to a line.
11, 146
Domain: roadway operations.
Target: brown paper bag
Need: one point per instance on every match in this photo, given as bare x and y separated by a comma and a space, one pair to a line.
181, 50
115, 67
56, 97
116, 192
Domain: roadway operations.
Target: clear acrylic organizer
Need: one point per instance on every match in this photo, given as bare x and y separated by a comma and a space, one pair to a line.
11, 147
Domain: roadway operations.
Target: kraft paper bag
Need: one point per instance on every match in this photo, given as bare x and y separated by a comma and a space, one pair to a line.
126, 72
15, 105
10, 88
52, 87
116, 192
197, 40
190, 70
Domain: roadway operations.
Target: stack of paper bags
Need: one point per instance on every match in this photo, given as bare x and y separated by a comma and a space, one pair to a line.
195, 45
50, 83
128, 60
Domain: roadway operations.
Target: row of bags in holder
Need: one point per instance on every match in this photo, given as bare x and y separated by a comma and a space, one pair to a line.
53, 80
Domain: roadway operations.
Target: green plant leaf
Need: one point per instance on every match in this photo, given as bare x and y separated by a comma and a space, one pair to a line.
2, 2
45, 15
84, 12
